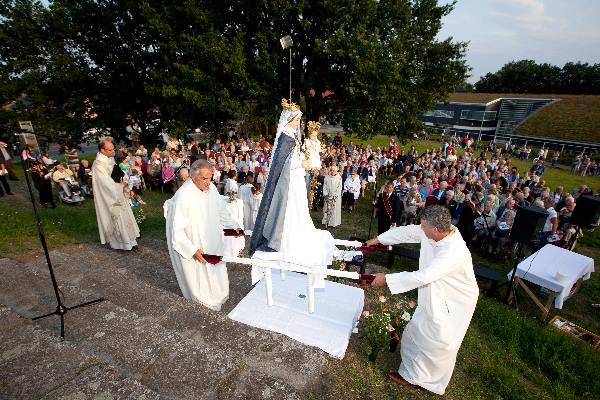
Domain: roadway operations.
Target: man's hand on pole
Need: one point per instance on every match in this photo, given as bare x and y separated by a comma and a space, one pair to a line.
379, 280
198, 256
372, 242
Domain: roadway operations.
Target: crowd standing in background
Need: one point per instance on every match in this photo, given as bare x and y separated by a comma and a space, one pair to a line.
481, 189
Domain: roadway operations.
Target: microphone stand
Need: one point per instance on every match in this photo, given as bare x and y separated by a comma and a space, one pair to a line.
61, 308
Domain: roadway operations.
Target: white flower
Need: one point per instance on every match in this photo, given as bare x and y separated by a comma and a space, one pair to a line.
366, 313
382, 299
406, 316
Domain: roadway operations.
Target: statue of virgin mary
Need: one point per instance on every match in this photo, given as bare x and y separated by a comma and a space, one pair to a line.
284, 229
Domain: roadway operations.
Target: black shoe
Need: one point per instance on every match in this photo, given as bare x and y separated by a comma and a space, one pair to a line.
10, 193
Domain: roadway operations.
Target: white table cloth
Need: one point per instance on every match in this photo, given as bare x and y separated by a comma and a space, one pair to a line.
233, 245
338, 308
541, 267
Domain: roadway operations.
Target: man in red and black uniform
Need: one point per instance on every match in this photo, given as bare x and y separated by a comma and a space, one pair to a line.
388, 209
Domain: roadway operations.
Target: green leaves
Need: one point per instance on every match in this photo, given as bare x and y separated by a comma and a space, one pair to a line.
370, 65
526, 76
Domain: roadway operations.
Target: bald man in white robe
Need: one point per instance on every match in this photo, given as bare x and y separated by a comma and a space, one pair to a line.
448, 295
196, 217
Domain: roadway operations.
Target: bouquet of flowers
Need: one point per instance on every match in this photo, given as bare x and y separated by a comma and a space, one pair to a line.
338, 264
232, 196
383, 325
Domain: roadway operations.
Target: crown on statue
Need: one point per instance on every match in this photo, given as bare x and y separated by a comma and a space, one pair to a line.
313, 126
289, 105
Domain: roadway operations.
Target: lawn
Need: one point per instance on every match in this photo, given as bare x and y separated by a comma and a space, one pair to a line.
505, 355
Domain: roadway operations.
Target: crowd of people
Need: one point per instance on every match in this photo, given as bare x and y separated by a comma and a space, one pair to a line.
480, 189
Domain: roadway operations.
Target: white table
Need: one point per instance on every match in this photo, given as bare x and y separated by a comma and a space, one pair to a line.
233, 245
542, 266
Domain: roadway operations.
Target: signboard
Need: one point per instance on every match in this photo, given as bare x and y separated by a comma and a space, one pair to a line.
26, 126
29, 139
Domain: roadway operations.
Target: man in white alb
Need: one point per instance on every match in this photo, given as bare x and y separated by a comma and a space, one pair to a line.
448, 294
116, 222
196, 217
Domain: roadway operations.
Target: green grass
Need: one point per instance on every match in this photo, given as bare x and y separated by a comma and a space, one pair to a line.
66, 224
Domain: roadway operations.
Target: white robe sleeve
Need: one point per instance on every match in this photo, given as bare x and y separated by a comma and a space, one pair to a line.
181, 243
445, 263
401, 234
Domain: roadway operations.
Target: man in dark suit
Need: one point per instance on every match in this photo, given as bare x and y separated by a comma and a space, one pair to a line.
388, 209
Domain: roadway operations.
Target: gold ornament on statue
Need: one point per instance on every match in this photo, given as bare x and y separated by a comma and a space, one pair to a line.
289, 105
313, 127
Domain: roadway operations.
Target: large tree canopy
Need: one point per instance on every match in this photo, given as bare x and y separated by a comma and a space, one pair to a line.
370, 65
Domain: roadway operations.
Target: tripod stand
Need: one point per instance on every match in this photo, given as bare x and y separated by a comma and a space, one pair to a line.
512, 289
61, 308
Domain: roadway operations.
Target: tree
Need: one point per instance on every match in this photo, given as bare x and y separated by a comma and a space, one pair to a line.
43, 80
370, 65
111, 64
526, 76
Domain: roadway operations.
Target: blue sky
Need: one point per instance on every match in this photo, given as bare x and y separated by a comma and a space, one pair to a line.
500, 31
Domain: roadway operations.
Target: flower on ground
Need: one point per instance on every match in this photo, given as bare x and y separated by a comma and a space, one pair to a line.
406, 316
412, 304
390, 328
366, 313
382, 299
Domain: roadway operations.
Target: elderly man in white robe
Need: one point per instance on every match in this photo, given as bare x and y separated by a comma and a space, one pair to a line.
196, 217
447, 293
116, 222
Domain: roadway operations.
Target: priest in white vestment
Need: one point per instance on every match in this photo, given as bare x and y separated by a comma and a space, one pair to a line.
448, 294
196, 217
116, 222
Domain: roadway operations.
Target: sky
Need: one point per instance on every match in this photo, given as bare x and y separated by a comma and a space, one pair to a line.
546, 31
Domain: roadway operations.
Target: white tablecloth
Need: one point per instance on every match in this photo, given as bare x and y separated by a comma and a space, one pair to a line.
337, 309
233, 245
541, 268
